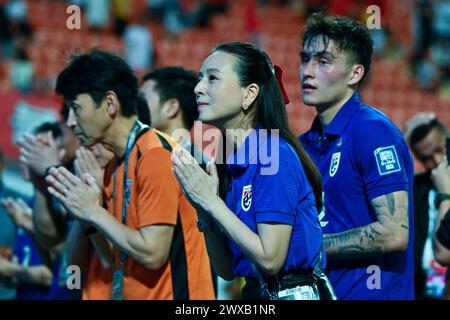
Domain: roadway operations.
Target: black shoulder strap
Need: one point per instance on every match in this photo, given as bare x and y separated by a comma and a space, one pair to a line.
166, 145
144, 130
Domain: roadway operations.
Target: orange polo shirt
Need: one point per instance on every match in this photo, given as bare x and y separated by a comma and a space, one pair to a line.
156, 198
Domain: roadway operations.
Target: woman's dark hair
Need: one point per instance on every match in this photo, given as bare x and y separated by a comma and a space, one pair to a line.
268, 110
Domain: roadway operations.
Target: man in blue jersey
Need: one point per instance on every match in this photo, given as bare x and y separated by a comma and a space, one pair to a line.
366, 166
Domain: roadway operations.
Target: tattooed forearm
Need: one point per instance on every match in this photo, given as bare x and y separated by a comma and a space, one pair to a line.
391, 203
389, 233
354, 243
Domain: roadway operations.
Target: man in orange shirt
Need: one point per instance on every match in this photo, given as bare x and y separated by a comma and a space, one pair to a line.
146, 243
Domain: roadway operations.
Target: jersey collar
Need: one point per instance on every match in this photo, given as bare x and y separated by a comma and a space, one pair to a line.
340, 120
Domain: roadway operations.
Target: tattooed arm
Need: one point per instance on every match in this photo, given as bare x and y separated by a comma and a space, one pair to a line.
388, 234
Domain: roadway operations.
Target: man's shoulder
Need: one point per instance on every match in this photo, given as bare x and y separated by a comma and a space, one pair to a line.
370, 123
368, 117
152, 140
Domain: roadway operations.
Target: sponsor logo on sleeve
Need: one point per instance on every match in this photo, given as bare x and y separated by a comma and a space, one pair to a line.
387, 160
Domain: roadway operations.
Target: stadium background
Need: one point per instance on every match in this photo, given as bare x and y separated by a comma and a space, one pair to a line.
392, 86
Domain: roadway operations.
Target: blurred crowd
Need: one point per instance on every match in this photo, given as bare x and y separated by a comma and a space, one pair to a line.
428, 54
431, 59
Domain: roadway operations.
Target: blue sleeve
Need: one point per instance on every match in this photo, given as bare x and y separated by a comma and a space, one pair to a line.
276, 195
382, 156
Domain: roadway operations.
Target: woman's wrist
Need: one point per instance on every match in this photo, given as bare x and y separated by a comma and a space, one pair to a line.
211, 205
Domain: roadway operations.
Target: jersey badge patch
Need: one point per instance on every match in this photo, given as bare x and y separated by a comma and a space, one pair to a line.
387, 160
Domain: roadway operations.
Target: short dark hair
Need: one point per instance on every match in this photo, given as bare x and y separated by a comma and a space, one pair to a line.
177, 83
143, 110
97, 72
347, 34
419, 133
53, 127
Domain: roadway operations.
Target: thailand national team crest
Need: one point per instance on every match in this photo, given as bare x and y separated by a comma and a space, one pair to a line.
246, 202
334, 165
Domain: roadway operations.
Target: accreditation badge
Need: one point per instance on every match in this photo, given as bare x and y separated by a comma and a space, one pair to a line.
128, 185
117, 289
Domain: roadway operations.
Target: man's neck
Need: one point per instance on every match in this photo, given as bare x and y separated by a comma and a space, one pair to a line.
176, 129
116, 137
327, 113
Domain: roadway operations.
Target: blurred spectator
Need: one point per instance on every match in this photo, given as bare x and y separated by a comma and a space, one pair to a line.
40, 152
171, 100
173, 17
21, 71
120, 12
138, 47
439, 52
6, 43
423, 16
209, 8
380, 39
155, 9
441, 179
97, 13
27, 270
441, 18
17, 14
431, 60
425, 135
428, 75
7, 238
170, 13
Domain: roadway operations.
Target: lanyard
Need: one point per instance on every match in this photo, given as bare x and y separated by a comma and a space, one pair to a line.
138, 127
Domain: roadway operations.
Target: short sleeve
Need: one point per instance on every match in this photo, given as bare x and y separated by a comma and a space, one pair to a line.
158, 190
382, 158
276, 194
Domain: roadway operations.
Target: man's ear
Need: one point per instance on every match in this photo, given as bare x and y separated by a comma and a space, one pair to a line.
356, 73
112, 103
250, 95
171, 108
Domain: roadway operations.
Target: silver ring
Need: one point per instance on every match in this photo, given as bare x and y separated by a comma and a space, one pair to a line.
65, 191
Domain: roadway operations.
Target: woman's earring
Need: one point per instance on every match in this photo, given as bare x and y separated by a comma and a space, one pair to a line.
244, 109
